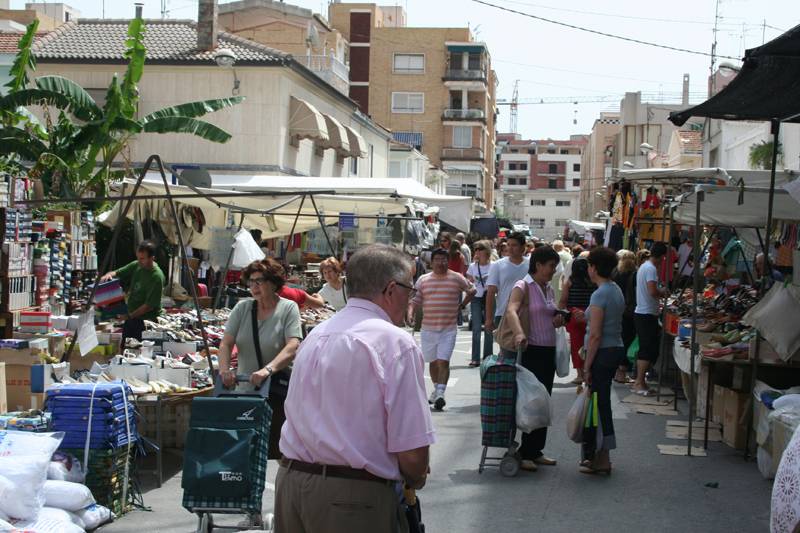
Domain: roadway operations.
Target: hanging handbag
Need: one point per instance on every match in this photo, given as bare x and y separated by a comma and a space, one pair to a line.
279, 381
504, 336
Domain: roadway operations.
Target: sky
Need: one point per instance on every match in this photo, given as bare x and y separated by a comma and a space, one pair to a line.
553, 61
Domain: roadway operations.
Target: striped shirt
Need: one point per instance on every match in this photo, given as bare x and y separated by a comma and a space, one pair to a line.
439, 298
541, 309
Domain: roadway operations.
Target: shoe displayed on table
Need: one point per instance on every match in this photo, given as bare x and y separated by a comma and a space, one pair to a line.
439, 403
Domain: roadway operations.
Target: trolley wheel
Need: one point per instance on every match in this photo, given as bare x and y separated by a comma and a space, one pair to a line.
205, 524
509, 465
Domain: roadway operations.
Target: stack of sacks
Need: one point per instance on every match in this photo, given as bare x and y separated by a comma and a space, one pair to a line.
99, 425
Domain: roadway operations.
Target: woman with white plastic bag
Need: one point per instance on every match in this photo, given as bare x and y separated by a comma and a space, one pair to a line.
604, 352
537, 339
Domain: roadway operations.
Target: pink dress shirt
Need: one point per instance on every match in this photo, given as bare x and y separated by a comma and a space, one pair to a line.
541, 309
357, 395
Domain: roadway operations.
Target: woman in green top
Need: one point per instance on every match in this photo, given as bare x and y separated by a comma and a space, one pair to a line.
279, 334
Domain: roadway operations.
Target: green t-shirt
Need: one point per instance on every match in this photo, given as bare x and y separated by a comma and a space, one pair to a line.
143, 287
273, 332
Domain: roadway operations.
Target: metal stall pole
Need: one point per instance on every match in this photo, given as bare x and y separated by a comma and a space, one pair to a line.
294, 225
766, 274
698, 280
667, 273
322, 225
189, 273
224, 278
111, 246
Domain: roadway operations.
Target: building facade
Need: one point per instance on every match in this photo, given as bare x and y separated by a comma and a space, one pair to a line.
433, 87
596, 164
292, 122
540, 182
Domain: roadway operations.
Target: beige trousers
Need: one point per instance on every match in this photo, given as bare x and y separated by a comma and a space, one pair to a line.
311, 503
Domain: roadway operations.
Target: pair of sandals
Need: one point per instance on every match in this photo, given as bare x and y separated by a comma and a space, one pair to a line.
585, 467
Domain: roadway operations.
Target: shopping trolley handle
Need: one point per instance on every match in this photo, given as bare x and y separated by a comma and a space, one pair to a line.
221, 390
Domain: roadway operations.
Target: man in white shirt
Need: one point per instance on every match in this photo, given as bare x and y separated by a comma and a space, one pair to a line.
504, 274
465, 251
645, 316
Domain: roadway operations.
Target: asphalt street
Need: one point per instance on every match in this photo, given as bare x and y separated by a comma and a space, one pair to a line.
646, 492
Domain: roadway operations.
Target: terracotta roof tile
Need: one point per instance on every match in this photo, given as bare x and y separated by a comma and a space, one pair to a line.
167, 41
10, 39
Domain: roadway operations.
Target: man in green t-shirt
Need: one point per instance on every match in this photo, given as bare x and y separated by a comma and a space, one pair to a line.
143, 281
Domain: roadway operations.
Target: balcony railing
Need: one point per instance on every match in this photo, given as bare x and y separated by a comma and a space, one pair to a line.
464, 114
472, 154
329, 69
465, 75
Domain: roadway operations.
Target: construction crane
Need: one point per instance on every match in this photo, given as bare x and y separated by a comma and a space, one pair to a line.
514, 109
662, 98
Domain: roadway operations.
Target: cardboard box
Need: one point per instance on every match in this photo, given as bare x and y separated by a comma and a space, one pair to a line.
3, 391
18, 389
44, 376
18, 357
734, 422
180, 348
718, 404
140, 372
178, 376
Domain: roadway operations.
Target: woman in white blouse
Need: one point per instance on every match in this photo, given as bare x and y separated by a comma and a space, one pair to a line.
333, 291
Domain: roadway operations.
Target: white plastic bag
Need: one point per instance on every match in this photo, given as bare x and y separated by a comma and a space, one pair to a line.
46, 525
60, 515
562, 353
245, 250
577, 416
27, 475
65, 467
67, 495
533, 402
95, 516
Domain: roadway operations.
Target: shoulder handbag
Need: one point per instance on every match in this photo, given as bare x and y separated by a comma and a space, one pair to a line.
279, 381
504, 334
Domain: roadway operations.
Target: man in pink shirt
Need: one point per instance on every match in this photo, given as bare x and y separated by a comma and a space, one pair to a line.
357, 423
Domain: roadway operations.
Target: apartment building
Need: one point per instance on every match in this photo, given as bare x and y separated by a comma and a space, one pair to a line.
434, 88
540, 181
597, 164
306, 35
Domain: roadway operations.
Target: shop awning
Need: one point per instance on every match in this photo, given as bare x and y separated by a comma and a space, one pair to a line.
677, 176
413, 138
766, 88
305, 122
454, 210
721, 207
338, 138
278, 225
358, 147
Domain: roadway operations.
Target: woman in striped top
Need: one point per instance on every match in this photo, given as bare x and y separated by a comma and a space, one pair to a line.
537, 339
575, 295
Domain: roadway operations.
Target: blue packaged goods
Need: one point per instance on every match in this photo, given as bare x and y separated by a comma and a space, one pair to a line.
36, 421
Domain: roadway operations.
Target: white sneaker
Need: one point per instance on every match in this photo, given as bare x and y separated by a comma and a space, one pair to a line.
438, 402
432, 397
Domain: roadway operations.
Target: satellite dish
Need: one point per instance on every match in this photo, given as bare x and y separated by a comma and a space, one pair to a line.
313, 36
197, 177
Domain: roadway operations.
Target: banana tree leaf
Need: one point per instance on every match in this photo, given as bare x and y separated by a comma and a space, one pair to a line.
194, 109
27, 97
135, 53
196, 127
15, 140
84, 107
24, 60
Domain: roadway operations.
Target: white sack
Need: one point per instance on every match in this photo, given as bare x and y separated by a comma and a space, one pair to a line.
95, 516
60, 515
27, 474
67, 495
65, 467
13, 443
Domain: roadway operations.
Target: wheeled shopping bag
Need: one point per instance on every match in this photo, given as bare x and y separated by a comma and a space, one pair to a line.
225, 456
498, 402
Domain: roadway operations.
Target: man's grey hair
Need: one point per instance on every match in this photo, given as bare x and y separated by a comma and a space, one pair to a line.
460, 237
371, 269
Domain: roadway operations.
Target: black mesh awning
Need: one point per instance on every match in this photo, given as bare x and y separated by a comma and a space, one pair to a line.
767, 88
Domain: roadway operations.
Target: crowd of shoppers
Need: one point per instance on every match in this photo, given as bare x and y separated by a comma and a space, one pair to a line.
331, 461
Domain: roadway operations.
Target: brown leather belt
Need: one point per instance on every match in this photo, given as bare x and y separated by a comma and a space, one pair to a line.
339, 471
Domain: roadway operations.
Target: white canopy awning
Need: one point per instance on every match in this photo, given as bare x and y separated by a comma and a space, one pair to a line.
305, 122
454, 210
721, 207
677, 176
339, 140
579, 226
277, 225
358, 147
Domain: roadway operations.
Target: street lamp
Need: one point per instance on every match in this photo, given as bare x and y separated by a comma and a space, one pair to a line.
226, 58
